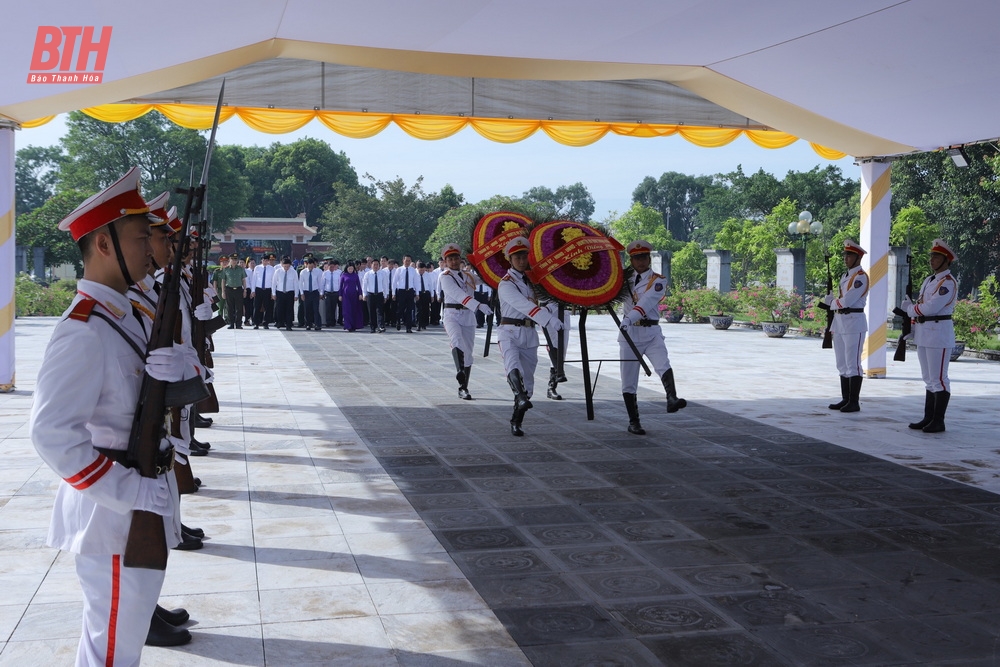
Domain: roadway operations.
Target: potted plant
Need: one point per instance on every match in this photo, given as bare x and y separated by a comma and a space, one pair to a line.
721, 305
771, 308
672, 306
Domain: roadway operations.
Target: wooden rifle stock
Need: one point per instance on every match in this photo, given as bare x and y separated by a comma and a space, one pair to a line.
907, 327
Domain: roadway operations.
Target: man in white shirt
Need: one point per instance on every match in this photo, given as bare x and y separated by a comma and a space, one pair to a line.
436, 292
375, 287
286, 293
404, 283
262, 292
311, 293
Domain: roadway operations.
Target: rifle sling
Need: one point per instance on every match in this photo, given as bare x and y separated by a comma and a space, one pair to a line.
121, 332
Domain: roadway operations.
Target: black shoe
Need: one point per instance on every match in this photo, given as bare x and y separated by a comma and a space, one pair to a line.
265, 326
189, 543
162, 633
197, 482
673, 403
515, 429
464, 394
257, 326
936, 424
174, 617
203, 422
194, 532
197, 450
854, 387
632, 407
231, 326
288, 328
239, 326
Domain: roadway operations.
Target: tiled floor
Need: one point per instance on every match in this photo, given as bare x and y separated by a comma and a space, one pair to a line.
361, 514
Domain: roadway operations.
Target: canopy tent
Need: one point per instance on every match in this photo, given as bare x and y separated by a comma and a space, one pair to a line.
869, 78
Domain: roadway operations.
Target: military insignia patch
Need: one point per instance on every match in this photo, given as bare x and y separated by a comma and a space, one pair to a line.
857, 284
943, 290
658, 287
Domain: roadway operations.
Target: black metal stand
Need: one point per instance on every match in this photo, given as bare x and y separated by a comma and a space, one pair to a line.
588, 390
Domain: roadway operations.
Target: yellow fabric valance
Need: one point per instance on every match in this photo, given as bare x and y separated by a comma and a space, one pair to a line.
504, 130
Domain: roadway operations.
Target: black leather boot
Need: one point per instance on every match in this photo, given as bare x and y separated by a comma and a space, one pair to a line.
928, 412
845, 392
673, 403
461, 376
521, 402
203, 422
173, 617
936, 424
552, 392
195, 532
854, 389
632, 406
162, 633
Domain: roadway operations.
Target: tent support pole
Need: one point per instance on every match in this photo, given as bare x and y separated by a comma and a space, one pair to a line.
7, 255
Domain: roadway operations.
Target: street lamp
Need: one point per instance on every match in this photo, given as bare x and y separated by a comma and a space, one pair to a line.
804, 227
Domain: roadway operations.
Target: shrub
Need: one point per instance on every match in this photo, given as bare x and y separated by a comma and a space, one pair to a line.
769, 304
975, 323
31, 298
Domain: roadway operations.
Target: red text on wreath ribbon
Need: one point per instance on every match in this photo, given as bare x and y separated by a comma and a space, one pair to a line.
495, 245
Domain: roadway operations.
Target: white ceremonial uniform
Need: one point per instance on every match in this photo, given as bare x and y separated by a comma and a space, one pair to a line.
641, 309
935, 339
458, 289
519, 342
85, 397
849, 328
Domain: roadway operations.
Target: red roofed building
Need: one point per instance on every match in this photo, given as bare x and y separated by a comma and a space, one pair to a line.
253, 237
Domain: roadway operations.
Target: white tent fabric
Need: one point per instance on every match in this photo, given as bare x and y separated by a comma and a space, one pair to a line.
867, 77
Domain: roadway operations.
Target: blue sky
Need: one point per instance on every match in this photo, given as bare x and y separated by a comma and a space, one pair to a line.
479, 168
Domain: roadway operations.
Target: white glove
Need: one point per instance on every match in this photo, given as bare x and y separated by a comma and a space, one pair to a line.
166, 364
154, 496
908, 306
203, 311
628, 320
210, 293
828, 299
555, 324
484, 309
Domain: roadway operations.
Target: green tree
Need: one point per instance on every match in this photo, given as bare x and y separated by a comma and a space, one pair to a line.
689, 267
963, 201
40, 227
573, 202
641, 222
752, 243
676, 197
385, 218
36, 173
457, 224
169, 157
911, 228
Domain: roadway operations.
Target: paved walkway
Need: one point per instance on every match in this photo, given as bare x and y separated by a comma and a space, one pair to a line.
383, 521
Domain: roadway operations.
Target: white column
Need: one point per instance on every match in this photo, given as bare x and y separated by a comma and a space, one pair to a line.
876, 191
6, 256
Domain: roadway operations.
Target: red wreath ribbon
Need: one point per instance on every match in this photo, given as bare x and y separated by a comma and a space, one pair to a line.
570, 251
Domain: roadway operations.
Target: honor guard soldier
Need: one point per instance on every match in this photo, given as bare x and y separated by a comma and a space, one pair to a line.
85, 400
640, 318
516, 335
459, 303
849, 327
934, 334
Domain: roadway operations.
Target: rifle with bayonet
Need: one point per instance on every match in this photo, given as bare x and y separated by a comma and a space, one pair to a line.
201, 331
147, 545
900, 354
828, 332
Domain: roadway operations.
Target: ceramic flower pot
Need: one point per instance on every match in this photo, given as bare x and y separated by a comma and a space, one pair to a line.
774, 329
721, 321
957, 351
672, 317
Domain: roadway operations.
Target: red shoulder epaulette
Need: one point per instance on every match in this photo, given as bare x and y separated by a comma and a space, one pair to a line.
506, 276
81, 311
